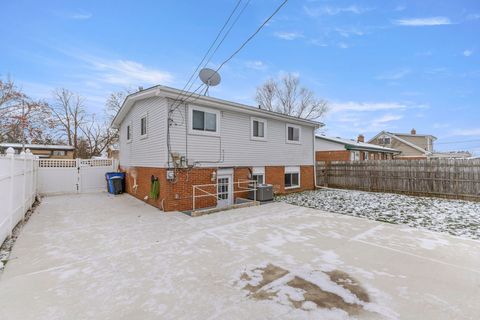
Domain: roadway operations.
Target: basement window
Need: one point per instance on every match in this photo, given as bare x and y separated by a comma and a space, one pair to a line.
258, 175
292, 177
204, 121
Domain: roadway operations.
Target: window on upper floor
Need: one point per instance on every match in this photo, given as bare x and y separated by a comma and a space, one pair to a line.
292, 177
384, 140
129, 132
258, 129
143, 126
204, 121
293, 133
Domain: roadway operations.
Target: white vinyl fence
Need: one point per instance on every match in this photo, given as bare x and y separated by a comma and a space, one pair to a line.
18, 189
56, 176
24, 176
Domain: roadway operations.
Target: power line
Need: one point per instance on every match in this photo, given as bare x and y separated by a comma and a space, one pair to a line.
176, 103
241, 47
210, 48
461, 141
228, 31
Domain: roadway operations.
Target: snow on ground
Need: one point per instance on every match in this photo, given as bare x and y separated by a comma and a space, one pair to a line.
99, 256
456, 217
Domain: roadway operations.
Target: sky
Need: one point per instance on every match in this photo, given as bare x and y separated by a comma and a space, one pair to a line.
381, 65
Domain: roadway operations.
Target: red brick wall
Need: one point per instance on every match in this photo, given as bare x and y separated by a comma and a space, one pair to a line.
341, 155
275, 177
307, 177
241, 174
178, 195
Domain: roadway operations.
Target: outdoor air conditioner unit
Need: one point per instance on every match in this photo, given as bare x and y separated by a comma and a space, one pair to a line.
264, 193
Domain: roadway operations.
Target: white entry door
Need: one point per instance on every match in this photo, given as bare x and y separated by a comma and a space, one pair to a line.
224, 191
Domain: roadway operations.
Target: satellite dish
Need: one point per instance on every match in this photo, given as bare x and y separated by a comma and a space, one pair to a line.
210, 77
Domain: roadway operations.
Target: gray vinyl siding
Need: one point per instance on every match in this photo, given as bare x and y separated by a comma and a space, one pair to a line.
149, 151
239, 149
325, 145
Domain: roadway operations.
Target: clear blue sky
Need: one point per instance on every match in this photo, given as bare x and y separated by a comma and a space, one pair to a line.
383, 65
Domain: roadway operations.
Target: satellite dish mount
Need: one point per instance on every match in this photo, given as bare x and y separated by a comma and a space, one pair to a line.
210, 77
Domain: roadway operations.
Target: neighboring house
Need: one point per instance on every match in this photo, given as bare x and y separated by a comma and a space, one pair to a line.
209, 141
411, 145
43, 151
113, 152
338, 149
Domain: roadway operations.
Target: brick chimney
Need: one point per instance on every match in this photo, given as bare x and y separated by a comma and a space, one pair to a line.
361, 138
413, 131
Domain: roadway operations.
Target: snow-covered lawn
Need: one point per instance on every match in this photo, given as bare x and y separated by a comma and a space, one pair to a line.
456, 217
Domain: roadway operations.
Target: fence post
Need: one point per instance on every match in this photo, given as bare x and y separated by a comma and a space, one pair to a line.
23, 156
10, 154
28, 184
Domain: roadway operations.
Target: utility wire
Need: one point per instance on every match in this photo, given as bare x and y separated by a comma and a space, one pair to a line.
177, 104
461, 141
209, 49
240, 48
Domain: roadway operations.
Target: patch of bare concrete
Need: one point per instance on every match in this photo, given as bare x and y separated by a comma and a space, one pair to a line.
271, 282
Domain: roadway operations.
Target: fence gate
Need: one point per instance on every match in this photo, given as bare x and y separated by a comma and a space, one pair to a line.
57, 176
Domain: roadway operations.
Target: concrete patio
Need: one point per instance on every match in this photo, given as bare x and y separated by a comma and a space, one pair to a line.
95, 256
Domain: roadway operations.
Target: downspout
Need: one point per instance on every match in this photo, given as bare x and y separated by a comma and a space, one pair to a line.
314, 161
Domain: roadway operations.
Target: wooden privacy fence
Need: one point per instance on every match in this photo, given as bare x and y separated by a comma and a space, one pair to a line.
452, 178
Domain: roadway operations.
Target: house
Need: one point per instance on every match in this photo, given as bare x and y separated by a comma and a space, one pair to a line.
113, 152
211, 144
411, 145
43, 151
338, 149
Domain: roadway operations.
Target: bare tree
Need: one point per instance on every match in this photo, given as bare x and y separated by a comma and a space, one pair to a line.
23, 119
97, 137
288, 97
69, 112
11, 97
114, 103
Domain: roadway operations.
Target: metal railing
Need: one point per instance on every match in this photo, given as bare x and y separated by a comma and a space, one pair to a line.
242, 186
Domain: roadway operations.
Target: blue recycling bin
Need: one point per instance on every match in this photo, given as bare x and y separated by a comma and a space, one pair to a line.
115, 182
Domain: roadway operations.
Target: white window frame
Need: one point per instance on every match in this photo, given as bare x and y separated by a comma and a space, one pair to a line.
258, 171
64, 153
290, 170
354, 155
129, 133
382, 140
264, 121
289, 125
144, 116
366, 155
200, 132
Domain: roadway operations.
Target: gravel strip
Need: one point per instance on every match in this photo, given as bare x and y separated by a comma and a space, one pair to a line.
456, 217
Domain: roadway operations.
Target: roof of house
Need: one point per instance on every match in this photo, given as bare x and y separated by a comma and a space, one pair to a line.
414, 135
395, 136
452, 154
173, 93
355, 145
37, 146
